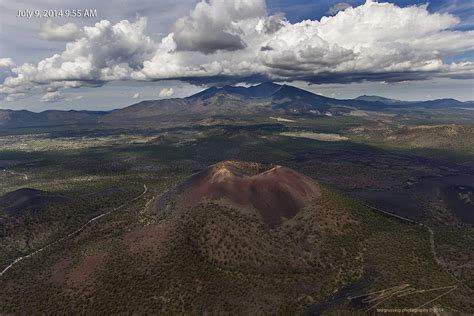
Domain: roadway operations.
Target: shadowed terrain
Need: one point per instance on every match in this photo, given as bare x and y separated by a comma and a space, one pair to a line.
22, 200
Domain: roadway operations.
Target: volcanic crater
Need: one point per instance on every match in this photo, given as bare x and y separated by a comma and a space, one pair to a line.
275, 192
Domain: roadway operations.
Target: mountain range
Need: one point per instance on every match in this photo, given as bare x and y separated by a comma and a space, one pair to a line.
264, 99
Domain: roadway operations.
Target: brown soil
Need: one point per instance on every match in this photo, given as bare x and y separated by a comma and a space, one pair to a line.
80, 276
81, 273
59, 271
146, 238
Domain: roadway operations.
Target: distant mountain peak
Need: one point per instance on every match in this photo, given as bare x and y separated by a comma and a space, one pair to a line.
262, 90
266, 98
376, 98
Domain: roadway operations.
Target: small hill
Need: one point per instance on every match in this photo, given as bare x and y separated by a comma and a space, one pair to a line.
458, 139
23, 118
25, 200
260, 239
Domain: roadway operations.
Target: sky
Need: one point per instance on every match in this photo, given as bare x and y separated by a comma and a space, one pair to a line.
133, 50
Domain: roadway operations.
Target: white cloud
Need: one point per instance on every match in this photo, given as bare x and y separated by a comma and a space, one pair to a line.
6, 62
237, 40
166, 92
104, 52
375, 41
136, 95
56, 96
6, 66
214, 25
341, 6
53, 32
52, 97
15, 97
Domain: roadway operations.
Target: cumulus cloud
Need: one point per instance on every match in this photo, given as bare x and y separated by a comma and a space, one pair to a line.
52, 32
104, 52
6, 66
232, 41
52, 97
136, 95
271, 24
15, 96
375, 41
214, 25
166, 92
56, 96
341, 6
